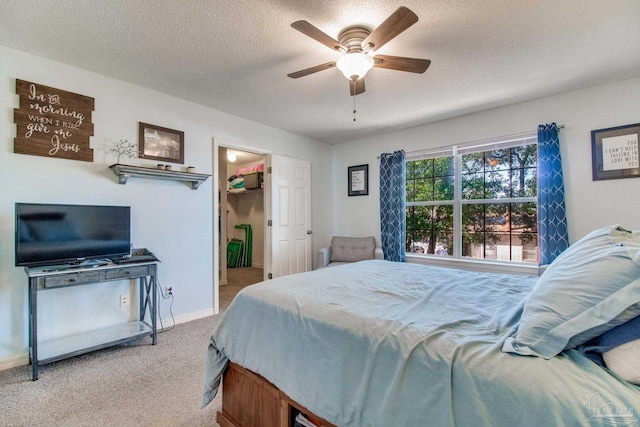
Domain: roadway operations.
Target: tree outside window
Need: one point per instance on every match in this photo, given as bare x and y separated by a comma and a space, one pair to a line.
497, 204
430, 227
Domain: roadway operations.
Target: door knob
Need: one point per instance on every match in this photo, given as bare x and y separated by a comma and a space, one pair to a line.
309, 231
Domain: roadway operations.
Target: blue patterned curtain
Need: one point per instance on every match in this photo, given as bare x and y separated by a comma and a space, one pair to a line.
392, 205
552, 218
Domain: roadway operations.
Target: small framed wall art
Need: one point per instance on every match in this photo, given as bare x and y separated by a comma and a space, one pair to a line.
159, 143
615, 152
358, 180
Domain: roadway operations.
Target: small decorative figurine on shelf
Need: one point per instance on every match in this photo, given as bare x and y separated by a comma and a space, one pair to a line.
125, 148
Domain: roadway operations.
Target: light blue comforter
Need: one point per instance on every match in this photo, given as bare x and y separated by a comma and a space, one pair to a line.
378, 343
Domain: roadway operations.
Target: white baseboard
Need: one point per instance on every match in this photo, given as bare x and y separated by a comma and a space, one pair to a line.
193, 316
14, 361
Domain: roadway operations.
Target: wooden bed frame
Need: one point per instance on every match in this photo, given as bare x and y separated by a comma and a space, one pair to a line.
250, 400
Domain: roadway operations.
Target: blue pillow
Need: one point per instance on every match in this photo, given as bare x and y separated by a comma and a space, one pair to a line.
619, 335
618, 350
611, 339
622, 354
589, 289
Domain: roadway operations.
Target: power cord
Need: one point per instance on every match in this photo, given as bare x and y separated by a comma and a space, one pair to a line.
169, 295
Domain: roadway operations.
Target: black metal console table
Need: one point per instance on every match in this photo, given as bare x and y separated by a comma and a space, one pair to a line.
48, 278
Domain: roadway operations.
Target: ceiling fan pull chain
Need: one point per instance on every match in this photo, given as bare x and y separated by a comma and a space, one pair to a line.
354, 100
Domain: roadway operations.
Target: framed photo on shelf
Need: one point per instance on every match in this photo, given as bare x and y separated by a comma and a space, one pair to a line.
358, 180
159, 143
615, 152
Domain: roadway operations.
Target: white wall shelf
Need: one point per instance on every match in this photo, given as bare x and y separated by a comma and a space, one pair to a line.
124, 172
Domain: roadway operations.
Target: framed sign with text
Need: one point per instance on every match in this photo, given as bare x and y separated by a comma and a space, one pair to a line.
358, 180
615, 152
52, 122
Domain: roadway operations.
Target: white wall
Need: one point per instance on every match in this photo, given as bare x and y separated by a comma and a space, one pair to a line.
590, 204
167, 217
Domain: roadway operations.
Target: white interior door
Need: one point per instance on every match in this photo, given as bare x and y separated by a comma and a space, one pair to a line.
290, 216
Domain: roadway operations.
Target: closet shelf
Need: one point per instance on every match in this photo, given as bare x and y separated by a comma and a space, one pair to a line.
124, 172
245, 191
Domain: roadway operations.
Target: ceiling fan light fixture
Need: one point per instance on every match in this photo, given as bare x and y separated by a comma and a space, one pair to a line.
354, 65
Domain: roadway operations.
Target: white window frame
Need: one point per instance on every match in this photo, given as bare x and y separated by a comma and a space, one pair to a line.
456, 259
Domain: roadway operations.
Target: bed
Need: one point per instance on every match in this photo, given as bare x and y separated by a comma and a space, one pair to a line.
378, 343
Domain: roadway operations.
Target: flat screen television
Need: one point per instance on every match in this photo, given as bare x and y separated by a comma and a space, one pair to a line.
51, 234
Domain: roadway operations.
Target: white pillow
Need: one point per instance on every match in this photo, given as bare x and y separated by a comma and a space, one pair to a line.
590, 288
624, 360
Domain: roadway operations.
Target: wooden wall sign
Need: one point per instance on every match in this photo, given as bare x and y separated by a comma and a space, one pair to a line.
52, 122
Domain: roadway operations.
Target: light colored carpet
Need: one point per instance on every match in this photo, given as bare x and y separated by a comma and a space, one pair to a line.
130, 385
237, 279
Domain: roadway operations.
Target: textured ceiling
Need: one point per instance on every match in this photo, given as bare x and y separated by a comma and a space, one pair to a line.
234, 56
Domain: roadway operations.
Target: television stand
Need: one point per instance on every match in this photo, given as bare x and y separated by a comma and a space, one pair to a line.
50, 278
90, 263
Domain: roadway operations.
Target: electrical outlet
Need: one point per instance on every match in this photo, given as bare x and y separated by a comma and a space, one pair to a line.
168, 291
124, 300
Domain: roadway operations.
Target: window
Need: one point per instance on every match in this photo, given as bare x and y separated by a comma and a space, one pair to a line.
475, 201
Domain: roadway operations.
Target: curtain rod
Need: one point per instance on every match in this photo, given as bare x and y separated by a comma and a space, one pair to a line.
561, 126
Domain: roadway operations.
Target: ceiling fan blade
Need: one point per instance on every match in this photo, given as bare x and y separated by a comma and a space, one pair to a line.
399, 21
309, 30
312, 70
357, 87
412, 65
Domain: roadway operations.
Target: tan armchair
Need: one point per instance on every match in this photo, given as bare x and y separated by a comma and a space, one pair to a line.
344, 250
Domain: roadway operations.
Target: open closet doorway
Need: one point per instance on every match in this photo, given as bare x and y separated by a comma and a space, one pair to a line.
242, 257
277, 205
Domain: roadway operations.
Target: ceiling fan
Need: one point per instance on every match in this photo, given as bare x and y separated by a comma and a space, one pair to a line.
357, 43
